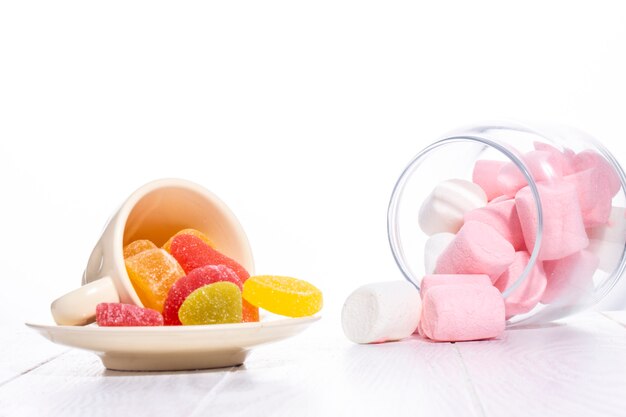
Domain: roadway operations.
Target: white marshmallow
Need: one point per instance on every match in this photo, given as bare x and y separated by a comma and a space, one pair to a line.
607, 241
445, 206
434, 246
381, 312
616, 298
609, 253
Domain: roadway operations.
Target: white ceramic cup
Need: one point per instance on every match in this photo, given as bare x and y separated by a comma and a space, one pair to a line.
155, 211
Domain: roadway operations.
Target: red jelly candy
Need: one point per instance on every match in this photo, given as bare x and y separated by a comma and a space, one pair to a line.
118, 314
191, 253
197, 278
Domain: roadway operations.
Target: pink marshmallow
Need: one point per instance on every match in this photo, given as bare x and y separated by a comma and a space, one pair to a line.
501, 199
528, 293
615, 228
566, 158
434, 280
570, 279
486, 176
569, 161
461, 312
591, 159
419, 329
502, 216
542, 165
476, 249
563, 228
594, 195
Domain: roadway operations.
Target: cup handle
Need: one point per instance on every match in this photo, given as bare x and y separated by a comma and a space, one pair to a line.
78, 307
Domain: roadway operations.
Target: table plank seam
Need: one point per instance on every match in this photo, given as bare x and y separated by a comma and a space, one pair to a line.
32, 368
623, 325
209, 396
475, 398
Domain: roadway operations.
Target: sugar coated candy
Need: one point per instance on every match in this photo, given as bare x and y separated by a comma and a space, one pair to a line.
137, 246
212, 304
197, 278
283, 295
191, 253
118, 314
193, 232
249, 312
152, 273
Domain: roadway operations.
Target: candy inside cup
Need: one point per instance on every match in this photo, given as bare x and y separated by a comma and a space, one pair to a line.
158, 214
155, 212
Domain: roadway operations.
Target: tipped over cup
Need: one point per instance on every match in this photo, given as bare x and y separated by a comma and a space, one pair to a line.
155, 211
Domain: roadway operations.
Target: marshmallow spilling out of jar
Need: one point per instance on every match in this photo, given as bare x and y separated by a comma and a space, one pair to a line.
482, 234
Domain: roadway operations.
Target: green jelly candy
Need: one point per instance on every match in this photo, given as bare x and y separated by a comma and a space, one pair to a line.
215, 303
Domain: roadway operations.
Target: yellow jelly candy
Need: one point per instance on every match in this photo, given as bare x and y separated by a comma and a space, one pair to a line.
192, 232
283, 295
212, 304
152, 273
137, 246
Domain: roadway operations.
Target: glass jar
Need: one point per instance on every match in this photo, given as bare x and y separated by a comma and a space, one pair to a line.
532, 161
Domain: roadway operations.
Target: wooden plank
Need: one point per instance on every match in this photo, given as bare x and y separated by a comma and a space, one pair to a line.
617, 316
570, 369
22, 350
559, 369
313, 375
318, 374
76, 384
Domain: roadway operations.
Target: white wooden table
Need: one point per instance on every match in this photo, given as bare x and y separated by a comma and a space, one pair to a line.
570, 368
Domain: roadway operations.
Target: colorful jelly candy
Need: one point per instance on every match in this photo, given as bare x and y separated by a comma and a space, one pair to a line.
249, 312
118, 314
283, 295
137, 246
197, 278
193, 232
191, 253
152, 273
212, 304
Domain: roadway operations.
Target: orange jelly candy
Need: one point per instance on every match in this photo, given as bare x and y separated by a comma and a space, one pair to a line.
152, 273
137, 246
193, 232
249, 312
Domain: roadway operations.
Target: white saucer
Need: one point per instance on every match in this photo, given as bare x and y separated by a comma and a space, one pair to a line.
168, 348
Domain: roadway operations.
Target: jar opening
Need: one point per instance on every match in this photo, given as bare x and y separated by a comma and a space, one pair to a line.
478, 145
570, 198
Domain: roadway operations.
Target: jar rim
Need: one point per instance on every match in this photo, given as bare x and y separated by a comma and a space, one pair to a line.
392, 210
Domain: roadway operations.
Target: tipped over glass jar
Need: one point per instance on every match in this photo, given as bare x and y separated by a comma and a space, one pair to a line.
541, 211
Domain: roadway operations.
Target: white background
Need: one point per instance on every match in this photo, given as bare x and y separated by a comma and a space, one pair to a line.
299, 115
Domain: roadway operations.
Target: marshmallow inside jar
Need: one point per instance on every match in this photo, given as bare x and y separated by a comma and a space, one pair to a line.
537, 209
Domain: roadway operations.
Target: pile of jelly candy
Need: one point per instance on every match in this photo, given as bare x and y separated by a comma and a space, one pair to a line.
188, 282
